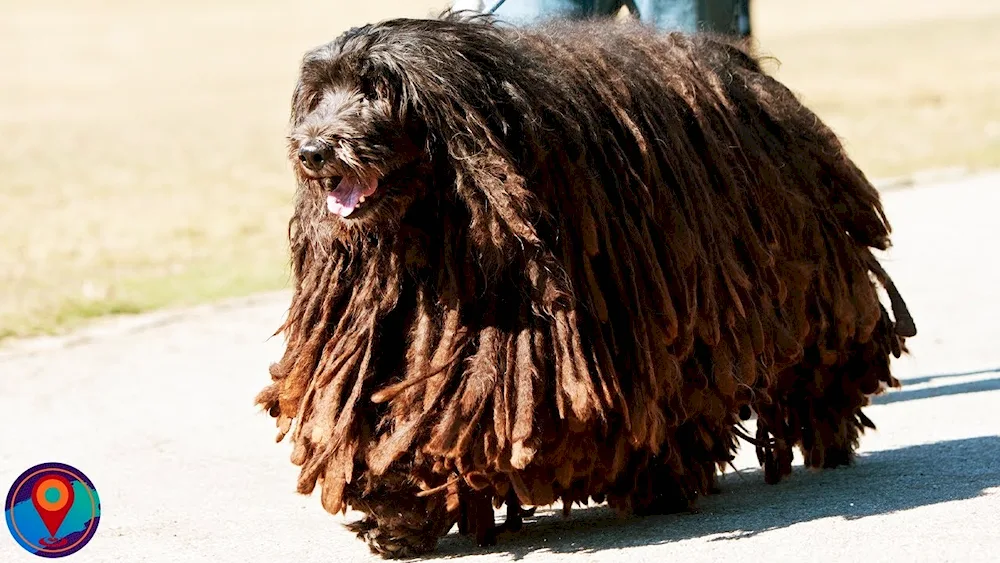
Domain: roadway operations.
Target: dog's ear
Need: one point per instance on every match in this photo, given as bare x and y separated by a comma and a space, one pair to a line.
505, 217
448, 86
503, 210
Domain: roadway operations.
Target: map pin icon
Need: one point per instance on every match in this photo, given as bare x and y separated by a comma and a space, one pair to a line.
52, 496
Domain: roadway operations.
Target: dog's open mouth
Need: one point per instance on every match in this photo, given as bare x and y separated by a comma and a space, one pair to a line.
347, 194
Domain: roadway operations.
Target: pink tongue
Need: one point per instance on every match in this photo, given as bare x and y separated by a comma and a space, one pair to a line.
343, 200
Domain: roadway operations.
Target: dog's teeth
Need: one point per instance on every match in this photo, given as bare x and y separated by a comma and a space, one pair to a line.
362, 200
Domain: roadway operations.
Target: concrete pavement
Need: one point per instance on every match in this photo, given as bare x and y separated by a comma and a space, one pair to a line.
157, 411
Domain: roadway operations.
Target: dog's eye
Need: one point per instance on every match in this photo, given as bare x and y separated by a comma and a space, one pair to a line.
376, 85
312, 101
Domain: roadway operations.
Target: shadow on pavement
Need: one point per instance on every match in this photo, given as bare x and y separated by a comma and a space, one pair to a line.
905, 394
879, 483
929, 378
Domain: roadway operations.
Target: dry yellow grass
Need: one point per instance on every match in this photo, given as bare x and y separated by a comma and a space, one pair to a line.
907, 84
143, 145
142, 161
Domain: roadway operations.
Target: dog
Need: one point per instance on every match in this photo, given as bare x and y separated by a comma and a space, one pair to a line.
566, 262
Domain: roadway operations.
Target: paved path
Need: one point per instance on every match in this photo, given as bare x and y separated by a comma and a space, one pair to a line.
158, 413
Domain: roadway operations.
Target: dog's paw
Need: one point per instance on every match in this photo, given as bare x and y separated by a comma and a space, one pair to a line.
387, 545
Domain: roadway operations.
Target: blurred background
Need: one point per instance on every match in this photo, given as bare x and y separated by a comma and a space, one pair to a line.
142, 144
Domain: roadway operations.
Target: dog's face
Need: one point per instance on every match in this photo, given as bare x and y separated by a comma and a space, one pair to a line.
413, 116
357, 156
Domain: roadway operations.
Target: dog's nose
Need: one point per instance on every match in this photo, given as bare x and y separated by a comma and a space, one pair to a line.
312, 157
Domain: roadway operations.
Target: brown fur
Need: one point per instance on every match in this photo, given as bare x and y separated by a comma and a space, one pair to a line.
593, 251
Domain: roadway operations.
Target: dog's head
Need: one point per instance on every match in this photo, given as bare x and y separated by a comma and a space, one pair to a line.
391, 114
354, 147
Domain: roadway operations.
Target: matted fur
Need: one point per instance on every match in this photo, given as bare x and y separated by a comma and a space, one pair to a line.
594, 251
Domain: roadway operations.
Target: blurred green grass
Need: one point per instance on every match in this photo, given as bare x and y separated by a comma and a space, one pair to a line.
143, 156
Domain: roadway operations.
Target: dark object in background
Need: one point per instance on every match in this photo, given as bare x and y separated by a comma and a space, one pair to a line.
727, 17
563, 263
731, 17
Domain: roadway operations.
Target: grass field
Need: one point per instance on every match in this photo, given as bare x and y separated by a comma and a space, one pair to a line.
142, 162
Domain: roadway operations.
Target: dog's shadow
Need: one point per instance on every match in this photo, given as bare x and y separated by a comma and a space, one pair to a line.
907, 393
879, 483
